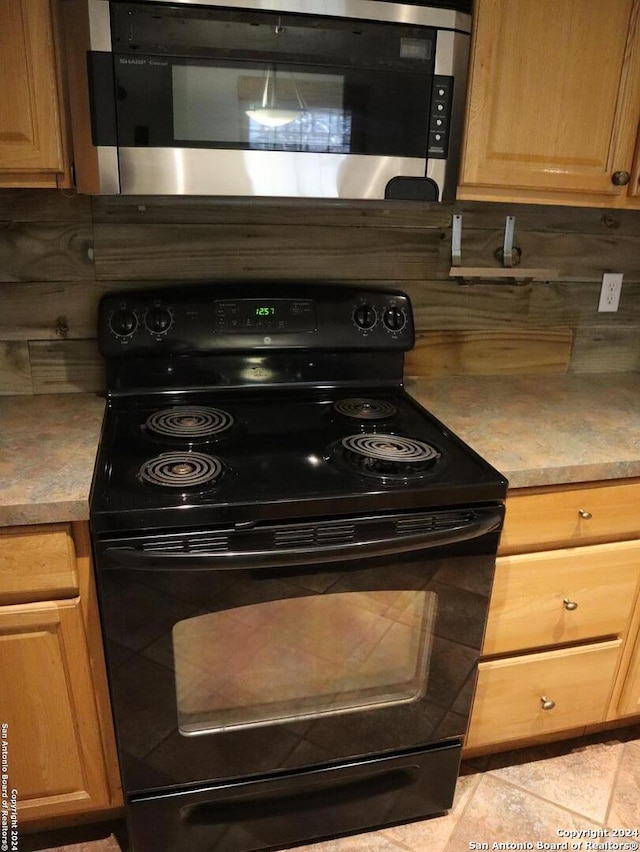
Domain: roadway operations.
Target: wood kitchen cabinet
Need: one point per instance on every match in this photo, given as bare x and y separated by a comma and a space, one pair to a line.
54, 704
33, 138
564, 619
553, 106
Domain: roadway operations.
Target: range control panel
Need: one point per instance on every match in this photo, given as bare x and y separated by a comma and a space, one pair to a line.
241, 317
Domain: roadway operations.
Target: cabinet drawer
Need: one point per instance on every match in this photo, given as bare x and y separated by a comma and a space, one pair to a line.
510, 692
558, 517
562, 596
37, 563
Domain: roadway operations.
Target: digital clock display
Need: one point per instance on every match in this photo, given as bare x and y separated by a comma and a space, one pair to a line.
258, 316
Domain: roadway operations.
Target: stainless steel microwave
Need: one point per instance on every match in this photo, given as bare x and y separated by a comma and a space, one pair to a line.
353, 99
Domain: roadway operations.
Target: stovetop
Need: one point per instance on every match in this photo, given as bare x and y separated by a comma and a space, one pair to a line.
241, 455
236, 403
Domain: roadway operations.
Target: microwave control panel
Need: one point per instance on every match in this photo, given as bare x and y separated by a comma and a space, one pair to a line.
440, 117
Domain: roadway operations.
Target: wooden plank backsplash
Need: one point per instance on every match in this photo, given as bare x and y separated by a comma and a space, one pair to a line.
60, 252
490, 352
298, 251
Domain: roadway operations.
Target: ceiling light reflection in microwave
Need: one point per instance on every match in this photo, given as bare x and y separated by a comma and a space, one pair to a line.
269, 114
305, 113
272, 117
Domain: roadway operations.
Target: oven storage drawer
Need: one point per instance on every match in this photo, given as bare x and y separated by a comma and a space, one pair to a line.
561, 596
536, 694
541, 519
313, 803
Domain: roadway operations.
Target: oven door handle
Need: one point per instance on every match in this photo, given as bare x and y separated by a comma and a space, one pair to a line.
134, 558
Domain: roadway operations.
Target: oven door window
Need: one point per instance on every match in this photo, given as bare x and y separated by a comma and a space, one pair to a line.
302, 658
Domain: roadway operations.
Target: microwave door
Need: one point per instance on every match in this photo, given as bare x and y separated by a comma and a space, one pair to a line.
328, 134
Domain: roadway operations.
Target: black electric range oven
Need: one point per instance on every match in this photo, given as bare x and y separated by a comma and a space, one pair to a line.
294, 561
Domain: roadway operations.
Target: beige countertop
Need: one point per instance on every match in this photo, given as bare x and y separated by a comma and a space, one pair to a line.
537, 430
47, 451
543, 430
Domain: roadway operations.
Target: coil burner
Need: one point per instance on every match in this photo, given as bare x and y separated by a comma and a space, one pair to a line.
190, 423
181, 470
361, 408
391, 457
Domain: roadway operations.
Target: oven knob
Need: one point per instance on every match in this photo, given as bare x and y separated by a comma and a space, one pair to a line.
394, 319
364, 316
123, 322
158, 320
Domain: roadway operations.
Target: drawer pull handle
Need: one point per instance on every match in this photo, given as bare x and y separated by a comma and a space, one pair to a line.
584, 514
570, 606
547, 703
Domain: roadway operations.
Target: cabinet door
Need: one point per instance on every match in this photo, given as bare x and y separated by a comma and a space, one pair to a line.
30, 136
53, 747
554, 99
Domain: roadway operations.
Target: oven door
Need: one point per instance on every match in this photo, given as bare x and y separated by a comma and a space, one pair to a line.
257, 649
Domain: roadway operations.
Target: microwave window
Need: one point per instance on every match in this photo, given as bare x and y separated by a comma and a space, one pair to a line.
272, 106
271, 110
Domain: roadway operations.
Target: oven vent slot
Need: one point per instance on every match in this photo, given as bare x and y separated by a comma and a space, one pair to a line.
306, 536
293, 537
335, 534
207, 544
432, 523
170, 546
210, 544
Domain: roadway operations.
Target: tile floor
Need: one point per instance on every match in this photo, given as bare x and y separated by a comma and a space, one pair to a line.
528, 797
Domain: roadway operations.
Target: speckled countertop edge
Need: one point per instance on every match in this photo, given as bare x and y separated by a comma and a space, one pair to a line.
536, 430
47, 452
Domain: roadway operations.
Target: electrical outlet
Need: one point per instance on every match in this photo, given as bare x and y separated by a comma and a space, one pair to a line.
610, 291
